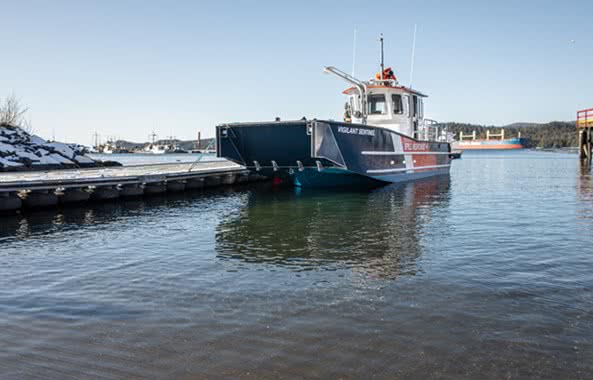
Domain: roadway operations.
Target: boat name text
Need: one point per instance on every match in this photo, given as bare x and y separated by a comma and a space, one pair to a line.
356, 131
415, 146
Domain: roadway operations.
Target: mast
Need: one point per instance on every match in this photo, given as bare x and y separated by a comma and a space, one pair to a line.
354, 53
96, 138
382, 60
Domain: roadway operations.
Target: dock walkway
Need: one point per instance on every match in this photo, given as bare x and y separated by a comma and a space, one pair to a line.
49, 188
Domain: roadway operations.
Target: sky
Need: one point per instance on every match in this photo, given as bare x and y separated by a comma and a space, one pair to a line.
127, 68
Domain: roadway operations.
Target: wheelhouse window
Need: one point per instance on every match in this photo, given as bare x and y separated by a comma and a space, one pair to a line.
398, 107
376, 104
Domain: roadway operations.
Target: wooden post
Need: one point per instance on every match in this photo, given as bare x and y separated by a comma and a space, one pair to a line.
585, 145
581, 139
584, 124
589, 138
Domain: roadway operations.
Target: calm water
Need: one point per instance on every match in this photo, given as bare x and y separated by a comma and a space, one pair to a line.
486, 275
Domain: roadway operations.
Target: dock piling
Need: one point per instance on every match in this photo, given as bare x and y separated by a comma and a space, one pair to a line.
194, 184
176, 186
105, 193
10, 201
228, 179
66, 196
585, 128
212, 181
39, 198
155, 188
133, 190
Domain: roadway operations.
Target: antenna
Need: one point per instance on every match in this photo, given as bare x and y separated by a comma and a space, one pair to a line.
413, 54
354, 53
382, 62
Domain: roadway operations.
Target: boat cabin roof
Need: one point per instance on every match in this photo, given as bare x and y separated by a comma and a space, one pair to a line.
353, 90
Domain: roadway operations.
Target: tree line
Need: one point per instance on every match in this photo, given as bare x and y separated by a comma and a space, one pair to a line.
555, 134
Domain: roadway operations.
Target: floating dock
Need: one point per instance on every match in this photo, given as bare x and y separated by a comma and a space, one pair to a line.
38, 189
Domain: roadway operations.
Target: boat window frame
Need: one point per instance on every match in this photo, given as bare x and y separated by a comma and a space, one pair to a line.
370, 102
406, 104
420, 108
400, 103
414, 105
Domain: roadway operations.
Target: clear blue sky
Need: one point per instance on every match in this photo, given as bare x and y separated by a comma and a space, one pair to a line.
125, 68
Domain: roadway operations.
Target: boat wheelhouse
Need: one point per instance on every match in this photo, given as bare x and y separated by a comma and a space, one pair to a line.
383, 102
384, 138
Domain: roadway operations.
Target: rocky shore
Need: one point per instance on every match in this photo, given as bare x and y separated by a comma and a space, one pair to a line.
21, 151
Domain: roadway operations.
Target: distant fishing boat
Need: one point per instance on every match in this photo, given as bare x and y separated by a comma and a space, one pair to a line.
176, 149
384, 138
492, 141
156, 149
111, 147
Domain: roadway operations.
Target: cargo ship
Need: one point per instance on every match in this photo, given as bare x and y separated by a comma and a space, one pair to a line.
384, 138
493, 141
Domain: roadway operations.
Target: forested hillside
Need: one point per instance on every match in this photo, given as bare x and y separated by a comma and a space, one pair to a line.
555, 134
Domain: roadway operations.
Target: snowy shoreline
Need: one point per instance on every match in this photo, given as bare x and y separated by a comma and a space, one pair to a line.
21, 151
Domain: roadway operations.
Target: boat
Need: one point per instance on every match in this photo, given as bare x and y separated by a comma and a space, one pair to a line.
383, 139
156, 149
175, 149
111, 147
493, 141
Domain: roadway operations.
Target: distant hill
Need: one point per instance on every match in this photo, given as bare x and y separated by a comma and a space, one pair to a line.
522, 124
555, 134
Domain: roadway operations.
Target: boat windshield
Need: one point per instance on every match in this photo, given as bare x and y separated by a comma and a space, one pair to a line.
376, 104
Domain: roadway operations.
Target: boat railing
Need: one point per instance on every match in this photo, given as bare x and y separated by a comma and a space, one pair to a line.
432, 130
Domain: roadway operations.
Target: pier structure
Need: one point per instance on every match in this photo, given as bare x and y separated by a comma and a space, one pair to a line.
41, 189
585, 130
489, 135
462, 136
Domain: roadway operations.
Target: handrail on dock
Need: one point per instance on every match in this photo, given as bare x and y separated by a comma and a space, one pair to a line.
585, 118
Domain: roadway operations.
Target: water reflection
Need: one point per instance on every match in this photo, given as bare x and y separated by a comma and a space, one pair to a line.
378, 232
40, 223
585, 192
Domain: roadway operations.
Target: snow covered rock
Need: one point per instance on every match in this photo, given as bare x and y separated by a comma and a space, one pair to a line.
21, 151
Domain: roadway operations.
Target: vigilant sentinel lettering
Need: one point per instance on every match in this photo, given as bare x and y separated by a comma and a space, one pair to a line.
356, 131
